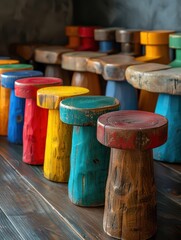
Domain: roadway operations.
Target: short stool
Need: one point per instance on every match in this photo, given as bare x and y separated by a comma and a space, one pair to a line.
59, 134
5, 95
16, 105
130, 201
175, 43
89, 159
73, 37
35, 118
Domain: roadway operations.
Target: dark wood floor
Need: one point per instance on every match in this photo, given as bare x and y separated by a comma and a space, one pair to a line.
32, 207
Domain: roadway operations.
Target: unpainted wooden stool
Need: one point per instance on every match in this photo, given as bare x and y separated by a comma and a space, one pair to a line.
16, 105
73, 37
175, 43
5, 95
35, 118
59, 134
167, 82
113, 68
89, 159
156, 51
52, 57
77, 62
130, 204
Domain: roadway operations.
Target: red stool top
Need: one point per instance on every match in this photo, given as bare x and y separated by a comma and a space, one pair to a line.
128, 129
27, 87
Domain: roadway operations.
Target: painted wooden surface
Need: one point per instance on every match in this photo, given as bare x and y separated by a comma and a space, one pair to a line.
8, 61
86, 222
175, 43
73, 37
130, 204
5, 95
16, 107
35, 118
89, 158
59, 134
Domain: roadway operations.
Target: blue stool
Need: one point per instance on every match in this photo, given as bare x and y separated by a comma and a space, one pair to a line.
16, 108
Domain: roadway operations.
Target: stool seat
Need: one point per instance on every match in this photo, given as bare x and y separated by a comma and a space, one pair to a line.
8, 61
15, 67
175, 43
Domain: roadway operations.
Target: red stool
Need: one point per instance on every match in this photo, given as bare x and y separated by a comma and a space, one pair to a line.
35, 118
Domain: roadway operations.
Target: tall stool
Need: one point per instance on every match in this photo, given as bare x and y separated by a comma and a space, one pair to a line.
16, 106
5, 95
156, 50
77, 62
130, 204
35, 118
73, 37
113, 68
89, 159
59, 135
166, 81
175, 43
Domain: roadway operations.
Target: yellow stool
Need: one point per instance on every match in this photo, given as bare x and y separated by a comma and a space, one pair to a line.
59, 134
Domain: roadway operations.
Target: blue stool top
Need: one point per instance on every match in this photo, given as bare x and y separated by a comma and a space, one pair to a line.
84, 110
8, 78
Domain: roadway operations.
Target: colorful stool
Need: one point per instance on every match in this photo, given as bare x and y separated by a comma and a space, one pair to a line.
89, 159
16, 107
87, 41
73, 37
52, 57
129, 40
106, 40
113, 68
175, 43
35, 118
5, 95
156, 50
59, 135
130, 204
166, 81
8, 61
77, 62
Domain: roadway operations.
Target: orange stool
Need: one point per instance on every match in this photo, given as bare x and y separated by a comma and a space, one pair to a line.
73, 37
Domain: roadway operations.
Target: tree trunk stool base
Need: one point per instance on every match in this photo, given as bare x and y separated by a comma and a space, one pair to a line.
59, 134
130, 204
89, 158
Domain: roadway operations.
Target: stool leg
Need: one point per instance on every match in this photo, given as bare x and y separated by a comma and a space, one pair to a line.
130, 205
147, 101
16, 119
58, 147
34, 133
89, 168
4, 110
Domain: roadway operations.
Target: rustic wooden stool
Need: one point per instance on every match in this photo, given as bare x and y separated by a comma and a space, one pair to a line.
77, 62
87, 41
59, 135
16, 106
175, 43
113, 68
167, 82
35, 118
106, 40
130, 205
52, 57
156, 50
129, 40
73, 37
5, 95
89, 159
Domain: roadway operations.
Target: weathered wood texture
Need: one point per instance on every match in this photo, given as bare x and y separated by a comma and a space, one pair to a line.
87, 222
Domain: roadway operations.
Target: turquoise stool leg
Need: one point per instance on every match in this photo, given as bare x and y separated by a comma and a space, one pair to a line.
124, 92
170, 107
89, 167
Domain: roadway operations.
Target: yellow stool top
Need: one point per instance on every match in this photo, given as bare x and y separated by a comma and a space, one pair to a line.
8, 61
155, 37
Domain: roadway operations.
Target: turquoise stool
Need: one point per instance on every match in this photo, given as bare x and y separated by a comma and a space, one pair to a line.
89, 159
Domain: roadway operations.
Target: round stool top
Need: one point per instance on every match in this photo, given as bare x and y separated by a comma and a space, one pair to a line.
87, 31
77, 61
128, 35
8, 61
71, 31
8, 78
27, 87
111, 67
50, 97
155, 37
155, 77
85, 110
14, 67
105, 34
50, 54
175, 40
128, 129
